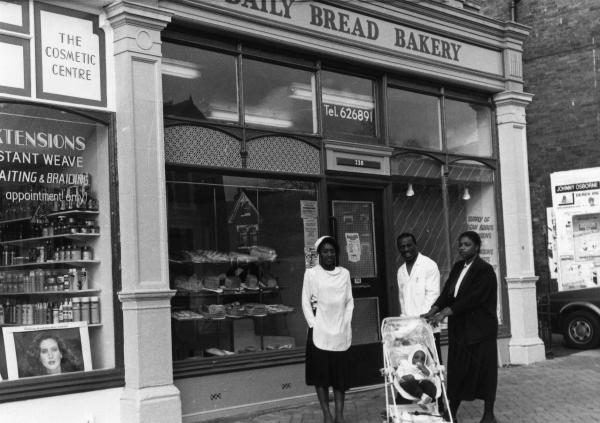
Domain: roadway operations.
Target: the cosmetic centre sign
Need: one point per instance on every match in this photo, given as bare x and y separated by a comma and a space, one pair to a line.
337, 22
70, 62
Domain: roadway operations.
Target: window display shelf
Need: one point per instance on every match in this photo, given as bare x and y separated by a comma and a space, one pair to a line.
2, 325
51, 264
227, 293
206, 318
361, 285
73, 212
74, 293
15, 220
76, 237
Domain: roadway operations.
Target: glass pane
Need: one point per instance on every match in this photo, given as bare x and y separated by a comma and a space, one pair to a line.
199, 84
236, 248
414, 120
418, 208
348, 104
279, 96
56, 297
415, 165
468, 128
472, 206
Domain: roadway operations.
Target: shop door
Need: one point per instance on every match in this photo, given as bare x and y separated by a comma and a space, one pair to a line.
357, 223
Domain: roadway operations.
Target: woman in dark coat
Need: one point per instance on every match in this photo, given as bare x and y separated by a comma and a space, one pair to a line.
469, 300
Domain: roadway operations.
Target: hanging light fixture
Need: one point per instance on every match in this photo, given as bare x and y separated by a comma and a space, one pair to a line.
466, 195
409, 191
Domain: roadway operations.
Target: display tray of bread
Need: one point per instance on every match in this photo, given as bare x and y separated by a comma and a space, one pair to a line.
256, 309
186, 315
278, 308
213, 256
218, 351
260, 252
279, 347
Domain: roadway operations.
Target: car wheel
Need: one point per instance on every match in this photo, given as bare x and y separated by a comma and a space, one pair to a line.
581, 330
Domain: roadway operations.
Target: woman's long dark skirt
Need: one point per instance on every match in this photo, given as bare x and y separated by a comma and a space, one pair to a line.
472, 369
326, 368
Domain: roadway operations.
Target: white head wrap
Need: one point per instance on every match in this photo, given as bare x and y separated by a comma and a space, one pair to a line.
320, 240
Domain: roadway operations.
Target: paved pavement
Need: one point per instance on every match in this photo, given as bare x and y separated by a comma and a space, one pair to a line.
564, 389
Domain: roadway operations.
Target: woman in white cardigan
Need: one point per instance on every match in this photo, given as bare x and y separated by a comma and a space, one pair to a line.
327, 304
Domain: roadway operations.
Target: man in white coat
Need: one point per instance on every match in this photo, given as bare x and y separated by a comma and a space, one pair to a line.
418, 282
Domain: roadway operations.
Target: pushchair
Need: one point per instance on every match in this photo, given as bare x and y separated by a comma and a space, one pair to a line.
408, 343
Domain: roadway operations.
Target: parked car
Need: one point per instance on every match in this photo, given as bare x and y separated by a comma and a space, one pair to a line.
576, 314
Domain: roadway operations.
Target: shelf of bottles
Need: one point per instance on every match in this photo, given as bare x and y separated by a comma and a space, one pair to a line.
44, 263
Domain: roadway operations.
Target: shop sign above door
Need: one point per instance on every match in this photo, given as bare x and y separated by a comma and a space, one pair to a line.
341, 23
70, 63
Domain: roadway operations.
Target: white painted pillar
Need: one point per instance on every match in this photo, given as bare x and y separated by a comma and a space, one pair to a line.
149, 395
525, 346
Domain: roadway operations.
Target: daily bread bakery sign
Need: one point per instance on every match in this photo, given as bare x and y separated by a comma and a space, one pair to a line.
342, 23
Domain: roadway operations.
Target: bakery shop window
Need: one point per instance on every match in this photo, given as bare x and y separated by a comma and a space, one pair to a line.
199, 84
416, 121
348, 106
236, 261
468, 128
472, 206
279, 97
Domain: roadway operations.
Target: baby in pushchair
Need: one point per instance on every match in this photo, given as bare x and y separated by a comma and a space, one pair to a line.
414, 377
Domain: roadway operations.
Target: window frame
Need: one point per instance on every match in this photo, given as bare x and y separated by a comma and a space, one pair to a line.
94, 380
203, 366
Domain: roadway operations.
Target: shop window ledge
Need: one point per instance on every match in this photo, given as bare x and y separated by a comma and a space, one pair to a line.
194, 367
68, 383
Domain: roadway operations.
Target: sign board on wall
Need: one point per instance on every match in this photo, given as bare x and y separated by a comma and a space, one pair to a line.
336, 22
15, 79
69, 56
576, 205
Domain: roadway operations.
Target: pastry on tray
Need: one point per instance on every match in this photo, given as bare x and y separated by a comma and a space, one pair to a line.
186, 315
211, 283
269, 281
251, 282
235, 309
232, 283
216, 311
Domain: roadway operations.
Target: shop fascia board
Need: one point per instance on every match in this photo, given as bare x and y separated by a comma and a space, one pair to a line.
370, 55
439, 19
442, 19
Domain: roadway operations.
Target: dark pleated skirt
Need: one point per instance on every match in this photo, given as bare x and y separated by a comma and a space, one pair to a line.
326, 368
472, 369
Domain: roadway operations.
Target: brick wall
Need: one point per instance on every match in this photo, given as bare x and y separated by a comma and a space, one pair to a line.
497, 9
561, 63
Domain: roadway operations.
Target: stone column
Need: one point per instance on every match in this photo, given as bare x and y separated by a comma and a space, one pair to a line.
525, 346
149, 395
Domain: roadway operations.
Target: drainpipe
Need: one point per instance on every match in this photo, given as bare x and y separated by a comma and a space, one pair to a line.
513, 10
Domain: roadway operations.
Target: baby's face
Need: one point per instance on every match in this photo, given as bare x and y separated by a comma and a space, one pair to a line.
418, 357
